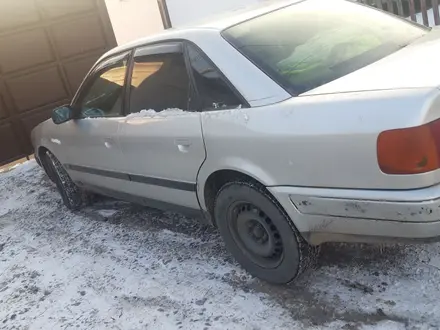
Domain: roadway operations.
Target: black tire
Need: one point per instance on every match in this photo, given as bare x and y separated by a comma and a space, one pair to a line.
260, 235
45, 164
71, 194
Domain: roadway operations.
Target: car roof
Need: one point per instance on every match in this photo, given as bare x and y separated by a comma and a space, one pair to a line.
217, 23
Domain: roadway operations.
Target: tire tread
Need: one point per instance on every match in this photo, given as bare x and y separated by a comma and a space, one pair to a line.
71, 194
308, 254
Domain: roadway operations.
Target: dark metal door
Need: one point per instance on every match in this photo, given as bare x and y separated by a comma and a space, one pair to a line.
46, 48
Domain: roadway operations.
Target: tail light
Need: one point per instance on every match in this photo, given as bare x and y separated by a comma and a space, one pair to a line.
410, 150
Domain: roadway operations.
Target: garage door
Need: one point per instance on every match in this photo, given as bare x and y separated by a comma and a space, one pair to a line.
46, 48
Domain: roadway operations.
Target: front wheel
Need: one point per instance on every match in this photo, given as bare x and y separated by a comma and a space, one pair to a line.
70, 193
259, 234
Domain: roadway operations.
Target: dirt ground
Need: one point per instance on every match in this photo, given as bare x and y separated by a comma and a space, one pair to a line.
115, 265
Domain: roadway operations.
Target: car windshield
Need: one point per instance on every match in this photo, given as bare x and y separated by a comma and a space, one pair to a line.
311, 43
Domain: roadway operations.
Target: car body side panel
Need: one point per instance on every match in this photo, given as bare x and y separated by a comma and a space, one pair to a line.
88, 148
317, 141
163, 154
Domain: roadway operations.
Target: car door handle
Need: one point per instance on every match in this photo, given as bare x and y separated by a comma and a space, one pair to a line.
109, 142
183, 144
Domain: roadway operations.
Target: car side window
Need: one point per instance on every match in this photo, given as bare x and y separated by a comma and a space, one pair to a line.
103, 97
213, 91
159, 82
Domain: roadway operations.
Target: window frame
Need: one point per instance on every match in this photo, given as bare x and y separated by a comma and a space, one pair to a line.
244, 102
129, 54
163, 47
90, 79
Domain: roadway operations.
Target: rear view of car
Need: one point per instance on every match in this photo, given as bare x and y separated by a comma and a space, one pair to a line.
352, 155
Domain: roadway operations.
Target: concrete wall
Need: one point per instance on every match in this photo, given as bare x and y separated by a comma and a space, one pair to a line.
133, 19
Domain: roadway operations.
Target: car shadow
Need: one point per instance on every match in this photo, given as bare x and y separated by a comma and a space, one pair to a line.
144, 218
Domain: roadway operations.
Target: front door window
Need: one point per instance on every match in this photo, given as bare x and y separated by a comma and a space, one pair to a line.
104, 95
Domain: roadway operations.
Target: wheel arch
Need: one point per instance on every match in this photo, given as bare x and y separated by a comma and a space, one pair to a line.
216, 180
231, 167
41, 151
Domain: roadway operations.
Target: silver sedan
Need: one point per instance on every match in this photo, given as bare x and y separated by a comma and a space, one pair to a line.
285, 126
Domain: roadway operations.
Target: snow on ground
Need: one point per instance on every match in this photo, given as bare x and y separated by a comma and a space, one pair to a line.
115, 265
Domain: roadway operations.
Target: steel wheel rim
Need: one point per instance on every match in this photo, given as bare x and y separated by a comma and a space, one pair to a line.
256, 234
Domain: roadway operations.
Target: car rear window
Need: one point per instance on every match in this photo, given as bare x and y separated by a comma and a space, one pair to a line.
308, 44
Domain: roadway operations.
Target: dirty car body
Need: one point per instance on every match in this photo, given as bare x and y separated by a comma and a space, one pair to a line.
339, 130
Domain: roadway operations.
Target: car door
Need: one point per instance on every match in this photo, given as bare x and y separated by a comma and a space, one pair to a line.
162, 138
94, 153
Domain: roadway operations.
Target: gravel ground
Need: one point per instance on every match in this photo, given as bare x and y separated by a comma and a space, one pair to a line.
116, 265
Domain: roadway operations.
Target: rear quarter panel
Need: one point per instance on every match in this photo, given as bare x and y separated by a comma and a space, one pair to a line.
317, 141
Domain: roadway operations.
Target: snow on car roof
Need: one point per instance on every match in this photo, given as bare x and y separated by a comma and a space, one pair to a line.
217, 23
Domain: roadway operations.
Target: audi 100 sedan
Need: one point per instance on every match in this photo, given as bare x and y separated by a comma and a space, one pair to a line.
285, 126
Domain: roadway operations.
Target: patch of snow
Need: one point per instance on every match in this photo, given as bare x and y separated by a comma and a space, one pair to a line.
65, 270
385, 325
22, 169
56, 141
246, 117
235, 115
14, 198
152, 113
435, 262
156, 270
419, 17
15, 166
8, 205
107, 213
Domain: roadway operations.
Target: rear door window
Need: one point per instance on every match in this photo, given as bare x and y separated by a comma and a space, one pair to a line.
213, 91
159, 82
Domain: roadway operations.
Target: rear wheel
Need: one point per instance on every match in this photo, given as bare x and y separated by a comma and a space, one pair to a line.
71, 194
260, 235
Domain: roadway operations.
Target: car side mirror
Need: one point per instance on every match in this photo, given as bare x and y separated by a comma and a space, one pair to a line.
62, 114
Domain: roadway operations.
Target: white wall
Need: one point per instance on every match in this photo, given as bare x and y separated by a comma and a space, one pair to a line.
133, 19
184, 12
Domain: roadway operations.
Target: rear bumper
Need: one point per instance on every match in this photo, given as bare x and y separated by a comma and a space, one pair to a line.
345, 215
